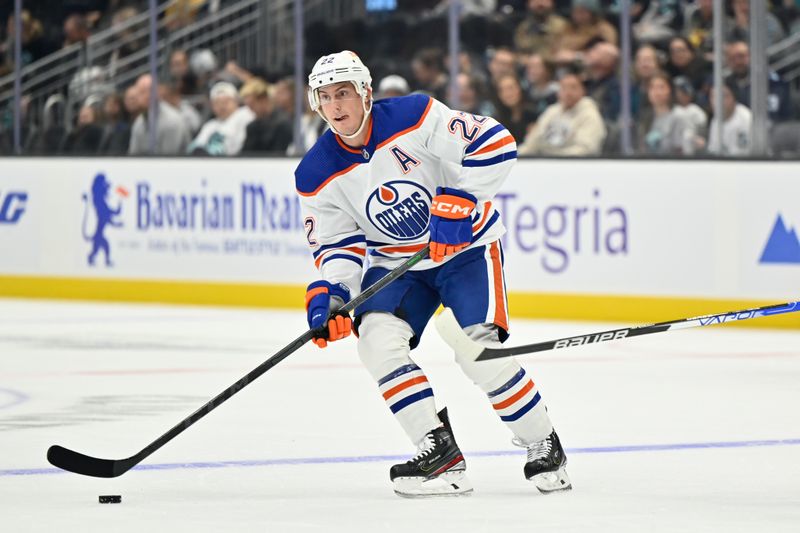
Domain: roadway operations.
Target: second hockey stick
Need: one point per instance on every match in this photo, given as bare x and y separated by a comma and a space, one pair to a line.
451, 332
86, 465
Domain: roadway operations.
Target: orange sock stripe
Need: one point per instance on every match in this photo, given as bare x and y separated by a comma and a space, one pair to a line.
403, 386
511, 400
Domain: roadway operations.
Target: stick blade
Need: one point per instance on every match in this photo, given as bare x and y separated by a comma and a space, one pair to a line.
78, 463
452, 333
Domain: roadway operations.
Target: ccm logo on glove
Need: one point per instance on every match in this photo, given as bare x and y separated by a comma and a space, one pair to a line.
450, 206
451, 226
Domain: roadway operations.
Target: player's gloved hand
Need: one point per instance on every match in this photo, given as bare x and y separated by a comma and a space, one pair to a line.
322, 301
451, 222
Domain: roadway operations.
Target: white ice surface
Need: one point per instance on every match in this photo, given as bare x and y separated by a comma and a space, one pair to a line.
307, 447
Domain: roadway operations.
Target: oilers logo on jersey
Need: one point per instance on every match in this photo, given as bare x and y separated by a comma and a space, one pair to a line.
400, 209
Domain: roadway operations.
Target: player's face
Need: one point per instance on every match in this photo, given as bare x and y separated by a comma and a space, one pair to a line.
342, 106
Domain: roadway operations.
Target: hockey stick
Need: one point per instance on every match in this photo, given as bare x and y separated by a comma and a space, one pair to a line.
79, 463
452, 333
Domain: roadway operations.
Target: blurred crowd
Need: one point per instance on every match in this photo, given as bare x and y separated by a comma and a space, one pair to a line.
549, 70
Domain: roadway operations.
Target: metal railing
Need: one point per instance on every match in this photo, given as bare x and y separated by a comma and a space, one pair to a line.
784, 57
252, 32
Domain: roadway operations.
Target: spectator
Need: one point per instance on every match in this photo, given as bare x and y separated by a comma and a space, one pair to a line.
573, 126
739, 26
603, 83
542, 90
171, 133
683, 61
284, 97
225, 133
180, 13
661, 131
659, 20
471, 91
117, 129
586, 26
190, 115
130, 101
429, 75
203, 64
503, 61
392, 86
646, 65
779, 103
736, 124
468, 64
181, 75
311, 127
699, 27
693, 115
514, 111
34, 44
86, 137
788, 11
52, 133
541, 29
129, 40
271, 130
76, 29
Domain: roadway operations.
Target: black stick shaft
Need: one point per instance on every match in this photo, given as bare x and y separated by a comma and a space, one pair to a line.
82, 464
625, 333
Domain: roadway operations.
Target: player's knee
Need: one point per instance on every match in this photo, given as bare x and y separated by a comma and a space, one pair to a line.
383, 343
485, 371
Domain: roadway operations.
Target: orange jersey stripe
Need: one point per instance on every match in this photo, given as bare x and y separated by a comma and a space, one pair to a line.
324, 183
500, 315
350, 148
403, 386
353, 249
494, 146
412, 128
511, 400
487, 206
401, 249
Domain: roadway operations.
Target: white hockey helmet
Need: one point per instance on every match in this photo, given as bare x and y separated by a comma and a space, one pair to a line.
341, 67
337, 68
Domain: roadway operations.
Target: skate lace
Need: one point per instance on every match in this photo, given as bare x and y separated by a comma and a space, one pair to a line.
536, 450
424, 448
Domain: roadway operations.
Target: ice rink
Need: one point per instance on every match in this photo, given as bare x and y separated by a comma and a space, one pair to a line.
686, 431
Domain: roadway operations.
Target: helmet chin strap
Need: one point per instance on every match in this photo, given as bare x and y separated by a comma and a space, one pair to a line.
363, 120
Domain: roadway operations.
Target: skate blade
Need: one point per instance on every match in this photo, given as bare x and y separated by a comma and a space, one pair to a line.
548, 482
453, 483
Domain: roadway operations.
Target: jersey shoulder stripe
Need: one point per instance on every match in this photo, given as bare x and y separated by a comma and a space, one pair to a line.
320, 166
397, 116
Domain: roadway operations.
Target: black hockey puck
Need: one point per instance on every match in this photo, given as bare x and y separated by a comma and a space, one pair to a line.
112, 498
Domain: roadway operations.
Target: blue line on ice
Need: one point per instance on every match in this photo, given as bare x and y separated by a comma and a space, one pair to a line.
16, 398
387, 458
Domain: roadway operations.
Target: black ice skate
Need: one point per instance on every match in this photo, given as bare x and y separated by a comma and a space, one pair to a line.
546, 464
438, 469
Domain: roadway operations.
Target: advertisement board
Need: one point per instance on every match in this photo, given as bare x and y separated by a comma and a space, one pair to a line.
598, 233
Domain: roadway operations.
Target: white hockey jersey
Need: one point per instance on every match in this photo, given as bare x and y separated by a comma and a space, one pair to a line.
375, 202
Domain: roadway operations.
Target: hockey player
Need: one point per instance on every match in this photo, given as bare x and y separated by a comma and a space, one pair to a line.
388, 178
